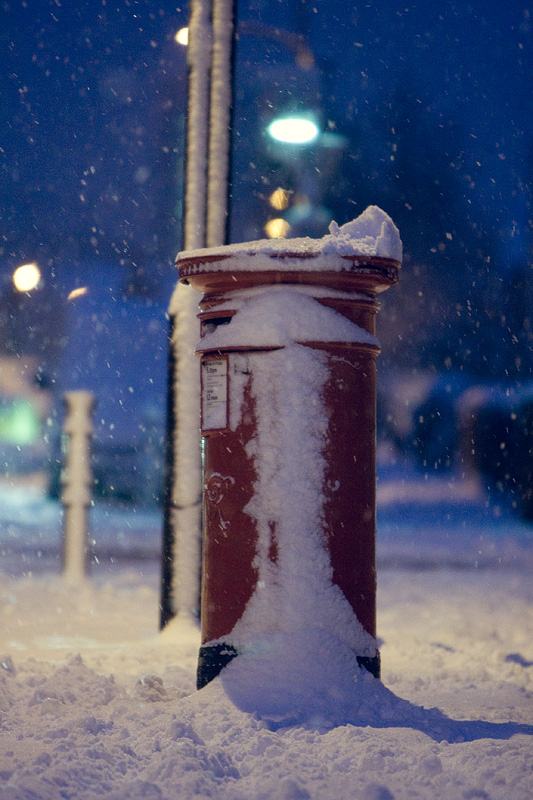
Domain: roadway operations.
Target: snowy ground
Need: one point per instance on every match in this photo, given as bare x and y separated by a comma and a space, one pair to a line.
94, 702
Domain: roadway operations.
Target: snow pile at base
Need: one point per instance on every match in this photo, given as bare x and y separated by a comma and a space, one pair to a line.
311, 677
373, 234
280, 316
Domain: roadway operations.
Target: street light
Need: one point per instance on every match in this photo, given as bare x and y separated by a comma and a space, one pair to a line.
26, 277
293, 130
182, 36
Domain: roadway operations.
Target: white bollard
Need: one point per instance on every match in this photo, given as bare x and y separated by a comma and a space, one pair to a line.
76, 495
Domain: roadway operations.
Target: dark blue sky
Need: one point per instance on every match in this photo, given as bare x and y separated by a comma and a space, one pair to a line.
462, 68
93, 95
431, 103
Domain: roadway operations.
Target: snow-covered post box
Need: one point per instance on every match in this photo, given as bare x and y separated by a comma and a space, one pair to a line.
288, 375
76, 494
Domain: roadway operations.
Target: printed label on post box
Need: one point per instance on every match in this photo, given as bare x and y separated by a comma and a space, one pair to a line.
214, 394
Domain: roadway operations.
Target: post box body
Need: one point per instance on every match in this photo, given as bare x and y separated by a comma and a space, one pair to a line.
350, 479
235, 556
230, 540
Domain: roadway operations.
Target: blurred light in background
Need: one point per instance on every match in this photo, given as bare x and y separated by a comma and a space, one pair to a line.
293, 130
277, 228
279, 199
26, 277
182, 36
78, 292
19, 422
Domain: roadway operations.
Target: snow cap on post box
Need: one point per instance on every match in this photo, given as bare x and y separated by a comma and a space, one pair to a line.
369, 246
372, 233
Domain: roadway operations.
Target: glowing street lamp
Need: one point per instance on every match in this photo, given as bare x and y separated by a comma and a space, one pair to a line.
182, 36
293, 130
26, 277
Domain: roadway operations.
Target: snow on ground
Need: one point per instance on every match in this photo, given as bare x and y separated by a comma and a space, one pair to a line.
95, 702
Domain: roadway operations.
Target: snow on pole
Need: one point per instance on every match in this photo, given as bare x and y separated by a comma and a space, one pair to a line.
181, 530
77, 481
199, 52
208, 143
220, 123
181, 557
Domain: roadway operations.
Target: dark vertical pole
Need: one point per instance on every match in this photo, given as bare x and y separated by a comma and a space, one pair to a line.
166, 608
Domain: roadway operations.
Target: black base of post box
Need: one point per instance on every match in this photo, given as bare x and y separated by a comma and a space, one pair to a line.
372, 664
213, 658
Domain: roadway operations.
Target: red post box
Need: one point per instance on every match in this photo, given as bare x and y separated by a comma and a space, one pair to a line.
288, 370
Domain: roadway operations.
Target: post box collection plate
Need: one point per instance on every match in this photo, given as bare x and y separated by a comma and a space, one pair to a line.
214, 378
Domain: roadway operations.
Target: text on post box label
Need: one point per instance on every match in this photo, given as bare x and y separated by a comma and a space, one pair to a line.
214, 394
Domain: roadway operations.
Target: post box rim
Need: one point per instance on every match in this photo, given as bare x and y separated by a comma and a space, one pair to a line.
363, 347
209, 273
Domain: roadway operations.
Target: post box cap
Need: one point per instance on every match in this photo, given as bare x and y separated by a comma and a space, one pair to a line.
364, 254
